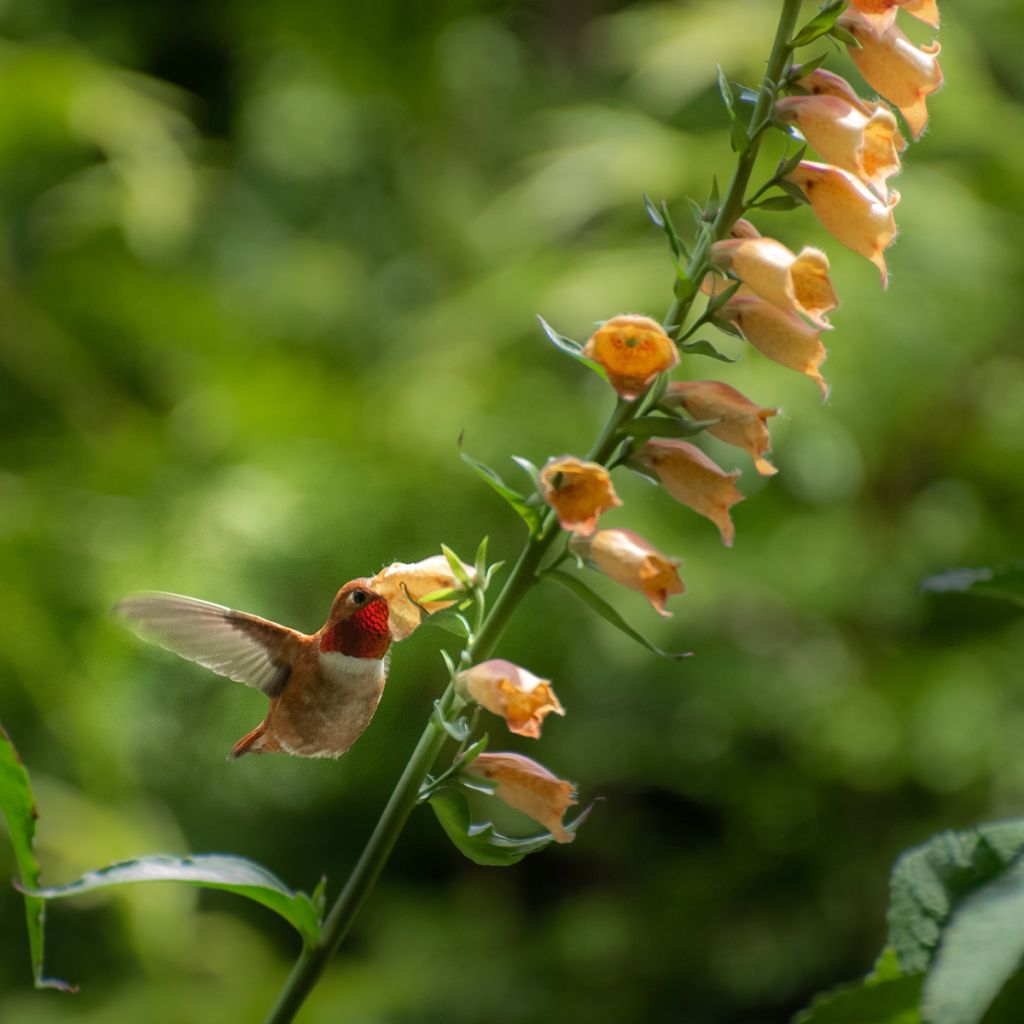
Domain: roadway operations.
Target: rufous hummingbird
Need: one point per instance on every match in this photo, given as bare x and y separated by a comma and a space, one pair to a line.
323, 688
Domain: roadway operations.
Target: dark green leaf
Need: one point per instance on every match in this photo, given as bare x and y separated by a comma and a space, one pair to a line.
893, 1001
530, 515
714, 200
529, 468
209, 871
793, 190
1005, 583
18, 806
779, 203
664, 426
820, 24
482, 844
787, 165
696, 210
571, 348
598, 604
705, 348
844, 36
981, 949
798, 71
716, 302
930, 880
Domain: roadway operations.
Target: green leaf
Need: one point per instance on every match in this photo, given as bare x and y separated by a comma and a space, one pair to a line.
530, 514
482, 844
794, 191
787, 165
844, 36
981, 949
798, 71
1005, 583
18, 805
821, 24
725, 88
929, 881
717, 301
598, 604
653, 212
664, 426
705, 348
208, 871
893, 1001
780, 203
571, 348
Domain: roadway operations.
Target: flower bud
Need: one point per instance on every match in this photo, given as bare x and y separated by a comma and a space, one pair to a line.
777, 333
882, 13
797, 282
633, 350
629, 560
578, 491
864, 144
903, 73
507, 690
848, 210
530, 788
694, 480
400, 580
741, 422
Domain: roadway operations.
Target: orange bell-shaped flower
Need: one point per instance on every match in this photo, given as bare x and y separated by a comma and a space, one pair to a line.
882, 13
507, 690
633, 350
578, 491
402, 580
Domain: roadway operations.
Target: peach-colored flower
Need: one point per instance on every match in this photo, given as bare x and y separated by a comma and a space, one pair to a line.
418, 579
507, 690
633, 350
629, 560
578, 491
530, 788
777, 333
789, 281
826, 83
693, 479
882, 13
849, 210
903, 73
864, 144
741, 422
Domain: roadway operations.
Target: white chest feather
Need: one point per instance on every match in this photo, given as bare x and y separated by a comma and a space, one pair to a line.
353, 675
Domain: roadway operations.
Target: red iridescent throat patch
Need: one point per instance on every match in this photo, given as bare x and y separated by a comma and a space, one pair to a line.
364, 634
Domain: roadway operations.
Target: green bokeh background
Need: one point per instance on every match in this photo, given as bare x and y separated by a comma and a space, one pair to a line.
260, 263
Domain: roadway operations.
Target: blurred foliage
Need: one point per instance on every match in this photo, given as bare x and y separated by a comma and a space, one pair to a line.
252, 289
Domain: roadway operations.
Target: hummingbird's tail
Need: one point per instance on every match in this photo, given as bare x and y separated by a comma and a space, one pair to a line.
255, 742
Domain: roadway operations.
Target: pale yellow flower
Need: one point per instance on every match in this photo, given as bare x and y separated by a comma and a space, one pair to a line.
578, 491
777, 333
799, 282
741, 422
864, 144
849, 210
418, 579
633, 350
512, 692
694, 480
530, 788
903, 73
631, 561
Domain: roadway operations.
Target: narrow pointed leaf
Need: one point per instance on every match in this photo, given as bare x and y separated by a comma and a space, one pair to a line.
18, 806
820, 24
598, 604
779, 203
653, 212
705, 348
664, 426
845, 36
799, 71
530, 515
571, 348
789, 164
208, 871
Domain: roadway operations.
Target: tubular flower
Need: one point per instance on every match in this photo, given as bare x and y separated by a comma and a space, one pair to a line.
529, 787
507, 690
826, 83
864, 144
882, 13
633, 350
777, 333
767, 267
578, 491
694, 480
741, 422
903, 73
848, 210
629, 560
400, 580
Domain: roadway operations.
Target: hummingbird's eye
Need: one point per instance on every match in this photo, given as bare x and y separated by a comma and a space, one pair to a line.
360, 597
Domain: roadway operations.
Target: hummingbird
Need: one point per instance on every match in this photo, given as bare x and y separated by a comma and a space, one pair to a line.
323, 687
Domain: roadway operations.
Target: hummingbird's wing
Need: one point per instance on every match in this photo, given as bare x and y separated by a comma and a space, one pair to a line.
243, 647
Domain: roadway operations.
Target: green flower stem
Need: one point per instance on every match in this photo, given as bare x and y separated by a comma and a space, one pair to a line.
734, 202
314, 958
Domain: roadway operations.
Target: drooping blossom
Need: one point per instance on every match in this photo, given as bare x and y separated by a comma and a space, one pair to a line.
633, 350
512, 692
882, 13
400, 580
578, 491
694, 480
741, 422
530, 788
631, 561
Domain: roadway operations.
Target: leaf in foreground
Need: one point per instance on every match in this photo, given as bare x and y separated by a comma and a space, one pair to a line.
1005, 583
18, 805
209, 871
